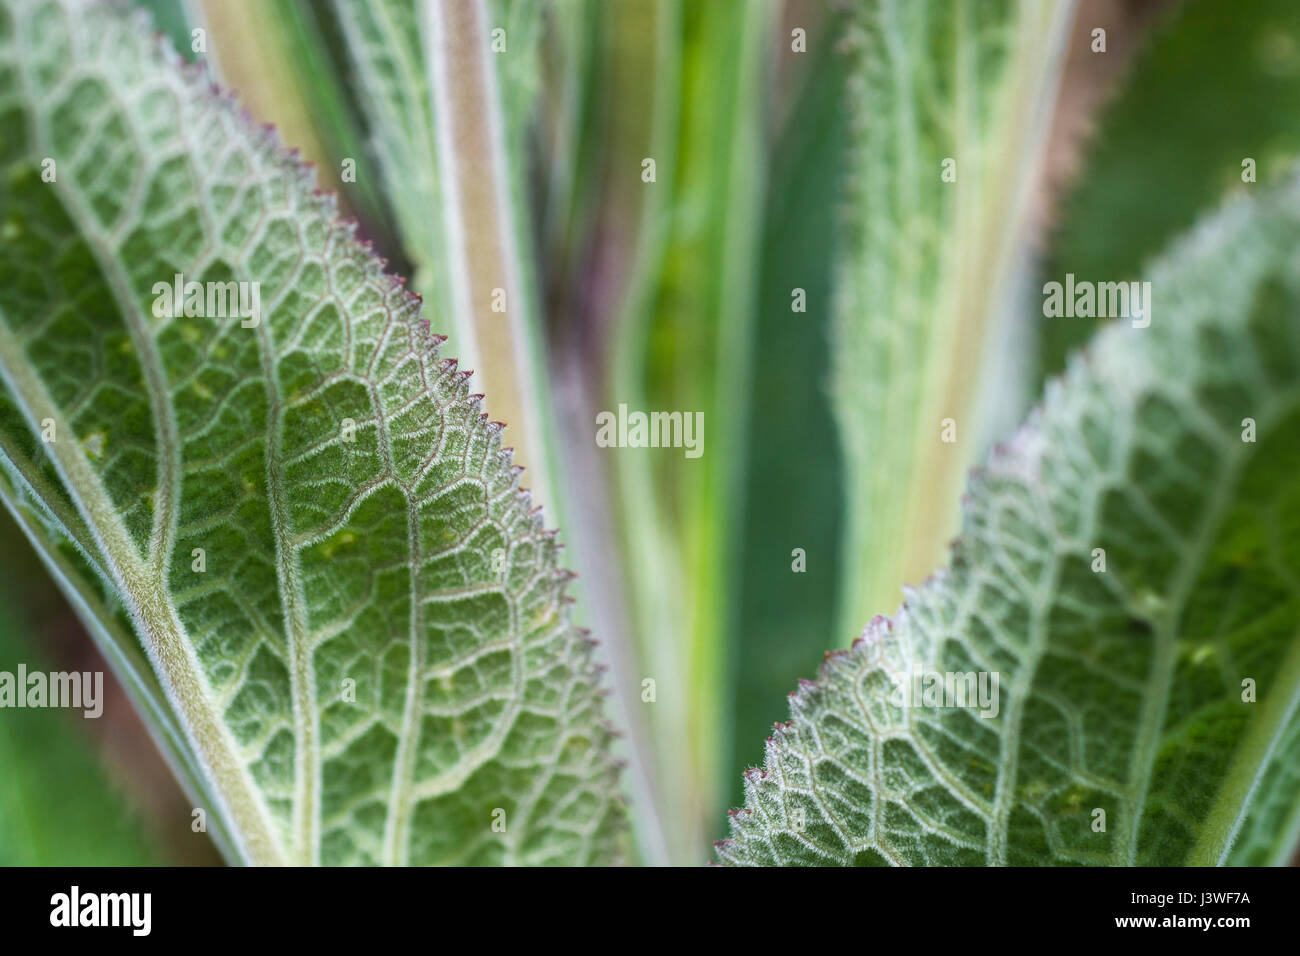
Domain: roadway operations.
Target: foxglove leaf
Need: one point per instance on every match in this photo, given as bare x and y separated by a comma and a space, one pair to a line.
282, 513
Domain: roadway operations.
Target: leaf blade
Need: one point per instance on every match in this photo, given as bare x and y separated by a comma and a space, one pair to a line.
328, 557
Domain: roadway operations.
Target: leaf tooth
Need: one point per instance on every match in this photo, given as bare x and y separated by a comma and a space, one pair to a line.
877, 629
800, 700
751, 785
833, 661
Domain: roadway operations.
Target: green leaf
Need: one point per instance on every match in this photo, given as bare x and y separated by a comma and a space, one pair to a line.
371, 659
1121, 690
683, 342
793, 487
1270, 832
448, 102
951, 105
449, 105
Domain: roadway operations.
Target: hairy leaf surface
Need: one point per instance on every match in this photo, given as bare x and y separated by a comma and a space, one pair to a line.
447, 86
1122, 690
298, 539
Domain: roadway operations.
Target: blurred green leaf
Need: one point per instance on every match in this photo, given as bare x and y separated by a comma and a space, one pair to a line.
794, 485
1218, 83
950, 104
683, 342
